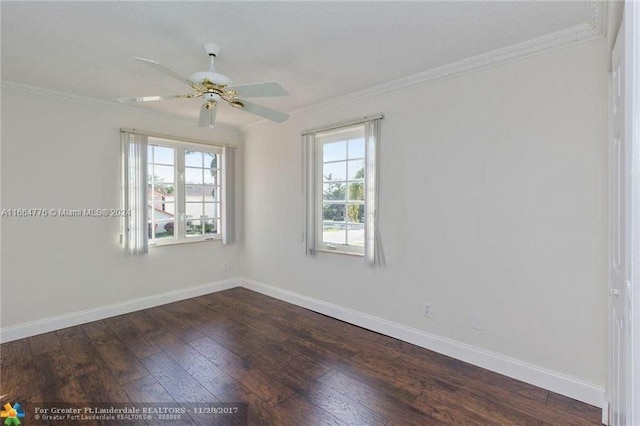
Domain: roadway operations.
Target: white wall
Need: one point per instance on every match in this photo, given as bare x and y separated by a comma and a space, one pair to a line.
492, 200
66, 155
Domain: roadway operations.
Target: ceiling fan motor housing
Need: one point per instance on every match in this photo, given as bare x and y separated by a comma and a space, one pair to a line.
211, 76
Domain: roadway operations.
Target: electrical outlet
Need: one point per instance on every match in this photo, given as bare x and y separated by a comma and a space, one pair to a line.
426, 309
476, 321
225, 266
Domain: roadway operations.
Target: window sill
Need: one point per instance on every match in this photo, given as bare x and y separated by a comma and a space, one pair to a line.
177, 243
348, 253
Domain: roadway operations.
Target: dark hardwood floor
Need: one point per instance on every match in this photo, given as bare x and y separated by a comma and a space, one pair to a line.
290, 365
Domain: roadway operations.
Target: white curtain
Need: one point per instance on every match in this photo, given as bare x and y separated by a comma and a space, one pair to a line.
309, 150
134, 192
228, 194
373, 251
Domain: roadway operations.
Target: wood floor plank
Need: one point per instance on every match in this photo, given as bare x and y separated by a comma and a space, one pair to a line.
114, 353
290, 365
81, 354
378, 399
144, 323
259, 412
212, 378
178, 383
343, 407
252, 318
101, 386
21, 381
44, 343
56, 379
285, 371
149, 390
574, 411
14, 352
168, 322
297, 410
137, 342
267, 389
438, 399
460, 373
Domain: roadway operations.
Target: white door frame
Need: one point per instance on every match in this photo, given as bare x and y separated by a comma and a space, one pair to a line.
623, 383
632, 54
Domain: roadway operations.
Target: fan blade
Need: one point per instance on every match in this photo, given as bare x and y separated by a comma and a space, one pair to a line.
207, 116
153, 98
171, 73
260, 90
265, 112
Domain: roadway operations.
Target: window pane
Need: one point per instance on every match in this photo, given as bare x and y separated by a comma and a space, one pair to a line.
334, 151
194, 227
164, 228
161, 208
194, 210
214, 195
162, 190
210, 161
335, 171
356, 148
192, 175
193, 158
163, 155
334, 191
212, 210
211, 226
355, 234
355, 213
333, 233
211, 176
333, 212
194, 193
356, 169
210, 192
356, 191
161, 174
170, 208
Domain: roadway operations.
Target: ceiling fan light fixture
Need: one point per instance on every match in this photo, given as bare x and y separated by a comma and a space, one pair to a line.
211, 97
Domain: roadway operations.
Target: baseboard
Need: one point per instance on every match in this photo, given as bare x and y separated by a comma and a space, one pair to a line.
7, 334
511, 367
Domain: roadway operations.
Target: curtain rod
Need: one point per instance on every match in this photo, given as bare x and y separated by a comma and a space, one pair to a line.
344, 124
176, 138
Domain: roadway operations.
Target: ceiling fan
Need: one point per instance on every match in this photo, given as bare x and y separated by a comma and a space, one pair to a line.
216, 88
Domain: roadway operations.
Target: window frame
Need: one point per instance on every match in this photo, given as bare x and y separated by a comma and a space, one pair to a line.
352, 132
180, 147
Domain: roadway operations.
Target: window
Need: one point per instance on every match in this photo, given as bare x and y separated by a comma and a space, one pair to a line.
183, 191
175, 191
341, 186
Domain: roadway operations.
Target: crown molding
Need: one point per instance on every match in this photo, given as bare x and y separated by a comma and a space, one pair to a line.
69, 98
582, 33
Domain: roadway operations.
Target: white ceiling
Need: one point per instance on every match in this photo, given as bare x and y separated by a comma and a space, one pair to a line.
316, 50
